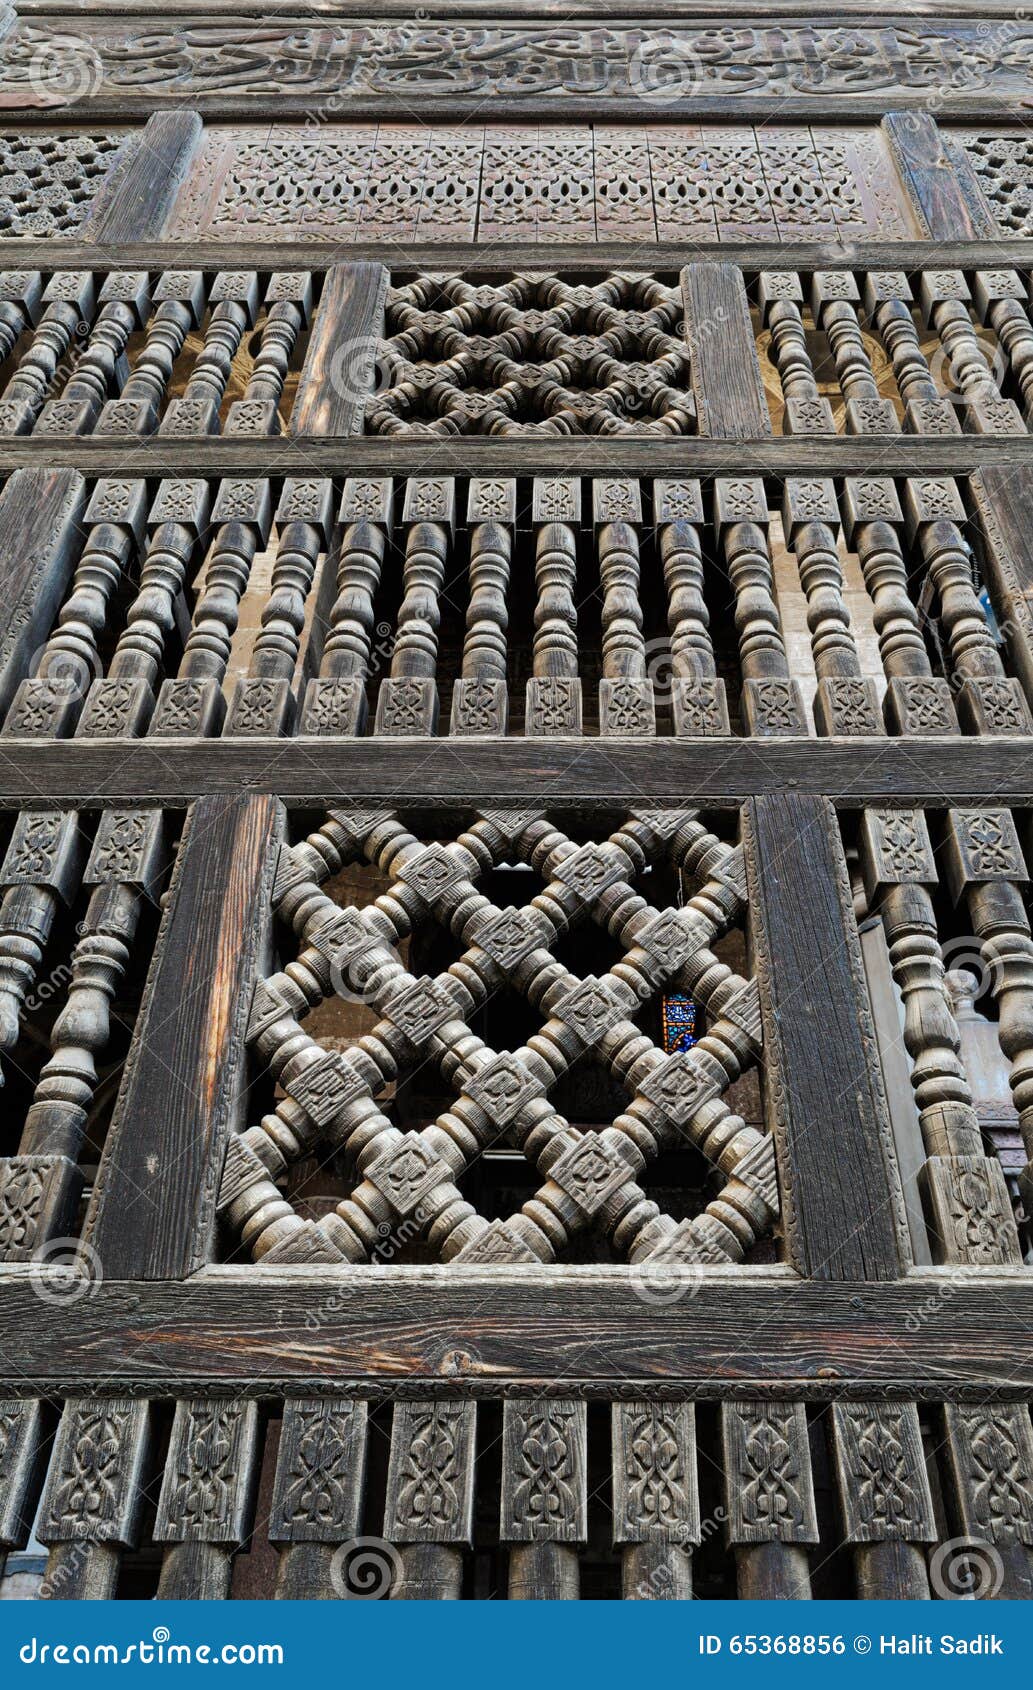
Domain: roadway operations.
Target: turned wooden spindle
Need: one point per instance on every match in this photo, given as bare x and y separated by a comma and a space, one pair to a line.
985, 865
626, 706
553, 703
234, 310
945, 299
887, 302
123, 870
988, 701
207, 1499
192, 702
769, 1498
544, 1496
179, 301
263, 700
21, 301
780, 296
846, 701
884, 1497
40, 872
69, 301
430, 1491
1001, 300
317, 1501
86, 1521
288, 304
122, 702
968, 1210
916, 702
47, 705
408, 699
698, 702
101, 368
656, 1519
771, 700
480, 697
834, 303
335, 702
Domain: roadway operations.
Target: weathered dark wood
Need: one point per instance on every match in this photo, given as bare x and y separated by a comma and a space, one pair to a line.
962, 1333
938, 179
441, 773
39, 509
726, 380
138, 195
1004, 503
841, 1202
152, 1213
340, 364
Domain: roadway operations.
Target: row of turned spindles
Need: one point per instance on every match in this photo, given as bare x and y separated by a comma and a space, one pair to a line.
74, 377
967, 395
767, 1514
895, 536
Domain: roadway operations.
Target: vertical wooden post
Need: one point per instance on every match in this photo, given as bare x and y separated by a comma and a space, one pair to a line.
152, 1213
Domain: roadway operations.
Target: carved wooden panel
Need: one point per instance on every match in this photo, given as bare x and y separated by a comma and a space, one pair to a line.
48, 181
1003, 161
547, 183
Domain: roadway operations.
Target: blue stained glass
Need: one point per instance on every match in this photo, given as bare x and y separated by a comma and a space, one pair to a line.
679, 1016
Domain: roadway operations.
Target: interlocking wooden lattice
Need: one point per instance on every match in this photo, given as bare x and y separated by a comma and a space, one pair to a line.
509, 534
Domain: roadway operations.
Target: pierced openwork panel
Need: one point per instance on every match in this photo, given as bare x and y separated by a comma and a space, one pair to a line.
48, 181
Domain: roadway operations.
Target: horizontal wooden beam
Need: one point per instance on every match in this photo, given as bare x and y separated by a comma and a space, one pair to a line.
952, 1334
534, 10
463, 455
316, 254
450, 773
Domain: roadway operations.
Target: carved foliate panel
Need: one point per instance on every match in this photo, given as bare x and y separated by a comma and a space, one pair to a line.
430, 1482
317, 1492
770, 1492
210, 1473
544, 1472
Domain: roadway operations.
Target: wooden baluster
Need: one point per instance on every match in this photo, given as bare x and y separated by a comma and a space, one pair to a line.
317, 1497
884, 1497
124, 867
984, 864
626, 707
771, 700
887, 303
335, 703
101, 367
698, 701
944, 298
22, 1464
834, 302
192, 704
553, 704
21, 301
769, 1498
544, 1496
989, 702
263, 700
90, 1513
430, 1492
121, 704
780, 295
990, 1475
916, 702
234, 302
69, 305
966, 1198
40, 871
408, 700
846, 701
179, 298
207, 1499
1000, 300
288, 302
480, 697
47, 705
655, 1498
